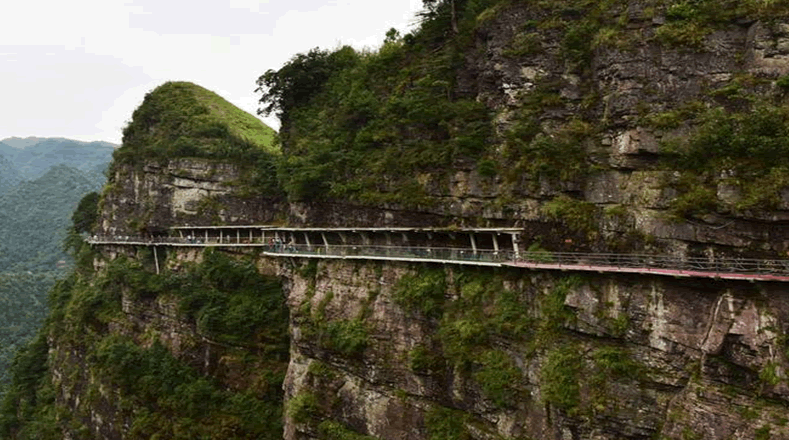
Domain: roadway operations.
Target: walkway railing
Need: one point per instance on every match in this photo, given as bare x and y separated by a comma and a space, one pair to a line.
727, 268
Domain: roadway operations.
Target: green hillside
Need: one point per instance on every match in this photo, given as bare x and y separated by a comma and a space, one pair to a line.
34, 217
186, 120
23, 308
21, 143
9, 176
6, 150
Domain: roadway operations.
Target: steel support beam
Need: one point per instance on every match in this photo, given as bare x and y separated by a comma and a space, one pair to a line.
156, 260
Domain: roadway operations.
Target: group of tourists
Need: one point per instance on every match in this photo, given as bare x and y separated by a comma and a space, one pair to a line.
277, 245
191, 239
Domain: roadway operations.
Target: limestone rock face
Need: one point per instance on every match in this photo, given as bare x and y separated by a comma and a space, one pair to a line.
644, 356
403, 351
626, 83
705, 359
181, 192
406, 351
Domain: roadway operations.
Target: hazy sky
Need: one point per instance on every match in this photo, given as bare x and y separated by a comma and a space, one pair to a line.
78, 68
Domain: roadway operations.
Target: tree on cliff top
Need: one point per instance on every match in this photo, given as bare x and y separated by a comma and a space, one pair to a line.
186, 120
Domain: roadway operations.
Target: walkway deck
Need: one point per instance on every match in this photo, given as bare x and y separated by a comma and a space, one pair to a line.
664, 265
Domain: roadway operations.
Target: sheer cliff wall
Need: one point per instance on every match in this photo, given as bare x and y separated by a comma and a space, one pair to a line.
420, 351
613, 120
149, 198
401, 351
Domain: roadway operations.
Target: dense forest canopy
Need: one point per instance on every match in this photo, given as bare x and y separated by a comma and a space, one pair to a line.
353, 121
34, 219
22, 311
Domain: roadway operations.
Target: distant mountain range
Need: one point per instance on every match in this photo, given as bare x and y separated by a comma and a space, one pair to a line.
32, 157
41, 182
35, 215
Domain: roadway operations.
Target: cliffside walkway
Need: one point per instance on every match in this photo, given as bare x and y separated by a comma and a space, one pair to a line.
666, 265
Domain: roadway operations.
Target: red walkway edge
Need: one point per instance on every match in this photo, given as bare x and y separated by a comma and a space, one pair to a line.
649, 270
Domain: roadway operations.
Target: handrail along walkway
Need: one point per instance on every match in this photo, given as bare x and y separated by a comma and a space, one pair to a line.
667, 265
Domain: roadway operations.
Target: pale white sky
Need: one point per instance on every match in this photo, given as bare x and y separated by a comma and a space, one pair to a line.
79, 68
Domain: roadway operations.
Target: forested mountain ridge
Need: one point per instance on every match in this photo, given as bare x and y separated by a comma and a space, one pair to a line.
34, 217
32, 157
9, 176
22, 312
21, 143
653, 126
41, 181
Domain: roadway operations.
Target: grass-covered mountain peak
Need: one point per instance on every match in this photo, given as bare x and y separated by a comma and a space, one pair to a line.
182, 119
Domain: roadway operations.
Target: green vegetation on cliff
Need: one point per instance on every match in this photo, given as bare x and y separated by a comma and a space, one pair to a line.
365, 125
240, 314
394, 125
479, 341
745, 152
22, 312
181, 119
184, 120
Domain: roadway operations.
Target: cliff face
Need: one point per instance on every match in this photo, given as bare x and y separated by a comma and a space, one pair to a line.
459, 353
637, 95
152, 197
395, 350
420, 351
199, 352
592, 147
641, 115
